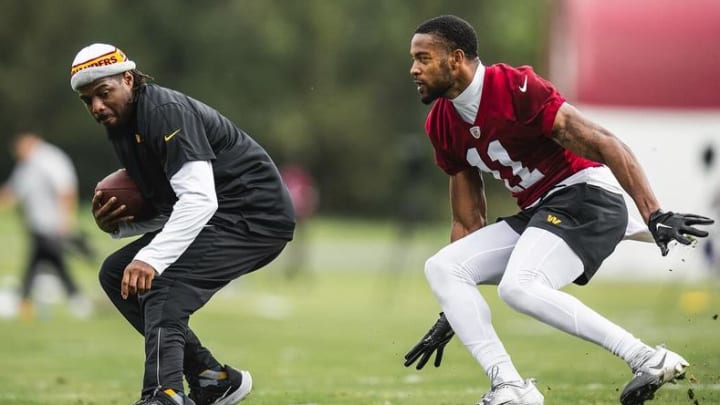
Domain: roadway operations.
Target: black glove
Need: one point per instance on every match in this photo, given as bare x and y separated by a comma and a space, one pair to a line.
435, 339
668, 226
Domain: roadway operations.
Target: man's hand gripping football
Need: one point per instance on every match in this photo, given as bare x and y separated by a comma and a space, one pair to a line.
668, 226
434, 340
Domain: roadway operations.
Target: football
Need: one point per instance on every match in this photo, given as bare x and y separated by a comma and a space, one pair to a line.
118, 184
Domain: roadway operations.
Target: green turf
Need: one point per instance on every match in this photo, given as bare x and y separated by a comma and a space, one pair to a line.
336, 333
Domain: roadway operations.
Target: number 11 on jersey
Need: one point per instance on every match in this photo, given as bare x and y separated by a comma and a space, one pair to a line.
522, 177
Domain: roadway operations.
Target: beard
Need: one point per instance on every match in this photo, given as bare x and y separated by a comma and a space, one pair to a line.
434, 92
440, 86
123, 116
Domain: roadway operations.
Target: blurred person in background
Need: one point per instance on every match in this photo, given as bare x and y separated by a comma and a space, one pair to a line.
710, 247
223, 212
44, 184
409, 193
412, 210
567, 175
304, 195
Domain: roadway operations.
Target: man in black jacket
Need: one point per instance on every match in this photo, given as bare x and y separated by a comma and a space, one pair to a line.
222, 212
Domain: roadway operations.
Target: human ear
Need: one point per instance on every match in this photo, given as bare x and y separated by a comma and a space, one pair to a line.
128, 79
456, 58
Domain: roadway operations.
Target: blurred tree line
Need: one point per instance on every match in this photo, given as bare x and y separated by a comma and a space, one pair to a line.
322, 83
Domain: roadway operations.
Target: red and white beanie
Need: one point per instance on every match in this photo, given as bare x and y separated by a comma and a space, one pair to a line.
97, 61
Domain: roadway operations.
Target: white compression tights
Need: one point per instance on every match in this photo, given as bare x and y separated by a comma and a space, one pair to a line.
529, 270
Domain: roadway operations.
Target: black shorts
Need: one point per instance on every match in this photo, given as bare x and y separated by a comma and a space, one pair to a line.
590, 219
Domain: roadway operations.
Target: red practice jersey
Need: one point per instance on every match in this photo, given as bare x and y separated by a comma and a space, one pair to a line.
510, 137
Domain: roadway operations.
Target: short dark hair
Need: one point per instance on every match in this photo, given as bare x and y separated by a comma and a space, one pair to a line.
454, 31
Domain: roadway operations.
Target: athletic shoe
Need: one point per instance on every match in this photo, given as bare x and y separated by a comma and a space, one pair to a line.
80, 306
513, 393
662, 367
166, 397
229, 391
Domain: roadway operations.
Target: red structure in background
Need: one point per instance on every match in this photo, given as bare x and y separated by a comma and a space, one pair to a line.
638, 53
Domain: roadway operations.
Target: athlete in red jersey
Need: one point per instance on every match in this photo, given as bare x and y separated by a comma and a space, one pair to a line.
509, 136
567, 174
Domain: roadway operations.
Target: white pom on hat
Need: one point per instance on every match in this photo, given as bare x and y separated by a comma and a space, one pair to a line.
97, 61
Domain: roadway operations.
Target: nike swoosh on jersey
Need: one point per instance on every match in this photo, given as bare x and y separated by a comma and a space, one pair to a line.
523, 88
171, 135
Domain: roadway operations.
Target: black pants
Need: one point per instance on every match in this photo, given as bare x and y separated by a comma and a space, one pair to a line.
49, 250
219, 254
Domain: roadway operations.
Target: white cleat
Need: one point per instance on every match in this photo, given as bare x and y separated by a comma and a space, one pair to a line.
80, 306
662, 367
513, 393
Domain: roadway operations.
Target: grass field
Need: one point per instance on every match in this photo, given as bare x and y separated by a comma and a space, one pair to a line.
337, 332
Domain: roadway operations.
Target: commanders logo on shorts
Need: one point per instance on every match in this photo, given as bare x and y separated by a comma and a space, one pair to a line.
553, 219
